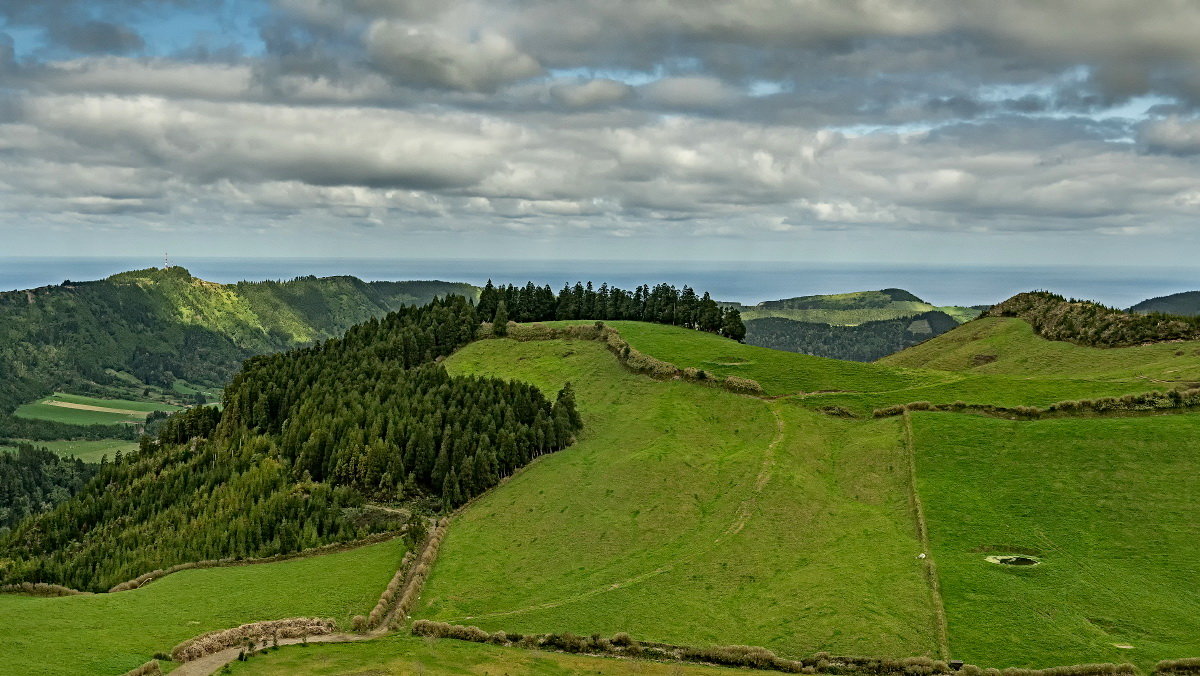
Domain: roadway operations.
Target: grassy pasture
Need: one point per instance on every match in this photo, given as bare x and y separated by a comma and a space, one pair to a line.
778, 372
112, 633
1108, 505
88, 450
399, 654
987, 389
856, 386
1018, 351
692, 515
123, 410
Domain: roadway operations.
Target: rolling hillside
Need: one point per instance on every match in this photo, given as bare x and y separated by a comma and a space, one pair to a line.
686, 513
155, 327
799, 520
1009, 346
613, 547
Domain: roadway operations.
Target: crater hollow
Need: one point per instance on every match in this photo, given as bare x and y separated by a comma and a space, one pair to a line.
1013, 560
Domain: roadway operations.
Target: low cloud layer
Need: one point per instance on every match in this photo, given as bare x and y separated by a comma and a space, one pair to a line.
724, 119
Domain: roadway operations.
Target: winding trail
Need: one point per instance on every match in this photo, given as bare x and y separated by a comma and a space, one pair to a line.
741, 518
918, 510
209, 664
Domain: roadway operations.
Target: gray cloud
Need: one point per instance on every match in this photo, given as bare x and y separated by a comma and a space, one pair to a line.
565, 117
428, 57
1172, 135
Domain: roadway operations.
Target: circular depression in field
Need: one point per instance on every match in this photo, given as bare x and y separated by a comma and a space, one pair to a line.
1013, 560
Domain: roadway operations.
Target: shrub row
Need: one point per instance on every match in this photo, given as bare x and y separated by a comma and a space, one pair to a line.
145, 578
386, 599
216, 641
636, 361
744, 656
419, 573
39, 589
150, 668
1184, 667
1129, 403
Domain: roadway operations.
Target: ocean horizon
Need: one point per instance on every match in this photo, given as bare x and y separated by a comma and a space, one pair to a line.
746, 282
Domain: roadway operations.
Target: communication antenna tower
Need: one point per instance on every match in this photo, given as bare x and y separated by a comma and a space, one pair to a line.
166, 261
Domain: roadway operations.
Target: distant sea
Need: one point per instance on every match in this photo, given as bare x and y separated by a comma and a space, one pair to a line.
745, 282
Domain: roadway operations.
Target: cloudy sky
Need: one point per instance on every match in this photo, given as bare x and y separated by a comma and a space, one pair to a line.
827, 130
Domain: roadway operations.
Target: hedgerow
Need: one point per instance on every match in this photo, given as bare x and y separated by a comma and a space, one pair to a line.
751, 657
1129, 403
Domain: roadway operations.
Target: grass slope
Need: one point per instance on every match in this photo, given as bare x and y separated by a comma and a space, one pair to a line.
856, 386
1008, 346
778, 372
1107, 504
692, 515
112, 633
398, 654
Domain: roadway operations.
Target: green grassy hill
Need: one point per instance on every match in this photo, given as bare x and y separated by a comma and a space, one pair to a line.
689, 514
865, 387
1009, 346
652, 523
778, 372
107, 634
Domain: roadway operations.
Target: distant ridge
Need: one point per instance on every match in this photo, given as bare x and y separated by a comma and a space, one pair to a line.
1186, 303
858, 326
156, 326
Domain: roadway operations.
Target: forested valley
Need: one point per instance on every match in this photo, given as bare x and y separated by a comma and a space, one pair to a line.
306, 438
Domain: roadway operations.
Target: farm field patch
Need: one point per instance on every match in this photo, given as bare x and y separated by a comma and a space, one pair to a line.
1107, 508
112, 633
80, 410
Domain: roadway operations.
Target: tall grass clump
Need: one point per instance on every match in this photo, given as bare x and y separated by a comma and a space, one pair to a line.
1182, 667
150, 668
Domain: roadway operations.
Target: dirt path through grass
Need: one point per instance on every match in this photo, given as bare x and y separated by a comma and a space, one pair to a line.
931, 574
209, 664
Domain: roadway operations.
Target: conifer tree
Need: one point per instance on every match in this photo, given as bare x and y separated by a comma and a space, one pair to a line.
500, 321
732, 326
